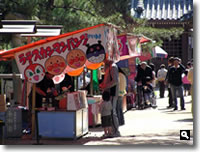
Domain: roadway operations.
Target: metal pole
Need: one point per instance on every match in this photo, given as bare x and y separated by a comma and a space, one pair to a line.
15, 95
91, 83
33, 111
84, 83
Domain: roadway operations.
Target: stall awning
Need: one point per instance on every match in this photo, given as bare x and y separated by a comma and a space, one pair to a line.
144, 39
159, 52
67, 53
10, 53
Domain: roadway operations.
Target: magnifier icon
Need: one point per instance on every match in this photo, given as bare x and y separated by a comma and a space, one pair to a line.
184, 134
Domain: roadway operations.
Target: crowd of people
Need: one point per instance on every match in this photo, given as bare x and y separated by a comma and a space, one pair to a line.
179, 80
176, 77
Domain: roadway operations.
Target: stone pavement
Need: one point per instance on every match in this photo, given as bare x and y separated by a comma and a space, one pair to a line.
159, 126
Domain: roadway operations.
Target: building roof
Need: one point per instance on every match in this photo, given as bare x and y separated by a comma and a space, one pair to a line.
45, 31
17, 26
161, 9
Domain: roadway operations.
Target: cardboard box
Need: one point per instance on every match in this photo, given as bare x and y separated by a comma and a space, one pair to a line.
73, 101
83, 98
2, 99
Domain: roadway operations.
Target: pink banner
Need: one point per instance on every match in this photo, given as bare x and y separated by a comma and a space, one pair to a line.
123, 49
133, 45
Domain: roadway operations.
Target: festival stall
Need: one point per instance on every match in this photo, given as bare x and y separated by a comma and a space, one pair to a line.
130, 53
67, 53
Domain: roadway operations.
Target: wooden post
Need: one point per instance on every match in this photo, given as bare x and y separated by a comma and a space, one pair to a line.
33, 111
2, 84
28, 40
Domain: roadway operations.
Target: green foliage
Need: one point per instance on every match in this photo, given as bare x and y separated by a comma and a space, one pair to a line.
78, 14
159, 33
5, 67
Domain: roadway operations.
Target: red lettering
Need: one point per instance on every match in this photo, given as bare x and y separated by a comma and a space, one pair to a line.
36, 54
43, 53
56, 47
29, 57
86, 39
22, 59
50, 51
63, 47
74, 42
68, 44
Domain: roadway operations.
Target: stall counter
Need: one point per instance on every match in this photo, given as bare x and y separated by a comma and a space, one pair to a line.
62, 124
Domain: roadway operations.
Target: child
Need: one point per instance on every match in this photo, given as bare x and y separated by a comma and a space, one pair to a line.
106, 119
149, 96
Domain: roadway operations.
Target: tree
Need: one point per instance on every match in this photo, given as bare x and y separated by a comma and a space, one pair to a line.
78, 14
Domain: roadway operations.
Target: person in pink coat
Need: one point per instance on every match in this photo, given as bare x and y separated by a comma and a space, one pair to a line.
186, 83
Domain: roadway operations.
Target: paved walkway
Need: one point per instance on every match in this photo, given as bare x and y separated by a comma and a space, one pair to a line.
159, 126
153, 126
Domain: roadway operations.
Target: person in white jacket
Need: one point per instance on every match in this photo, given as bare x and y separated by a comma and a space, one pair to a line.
161, 75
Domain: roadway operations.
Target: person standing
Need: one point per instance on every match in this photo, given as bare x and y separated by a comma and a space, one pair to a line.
44, 89
170, 64
153, 83
161, 75
190, 78
175, 79
122, 97
186, 83
111, 84
143, 72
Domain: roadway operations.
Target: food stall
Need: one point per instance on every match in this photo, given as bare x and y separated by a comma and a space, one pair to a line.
67, 53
